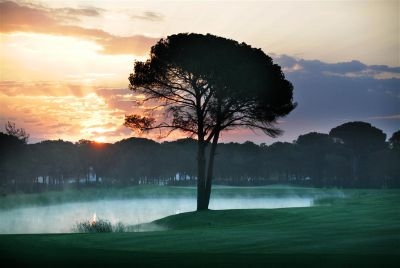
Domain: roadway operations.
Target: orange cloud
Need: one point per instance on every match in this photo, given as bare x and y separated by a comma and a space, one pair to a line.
57, 110
92, 116
24, 18
42, 88
63, 117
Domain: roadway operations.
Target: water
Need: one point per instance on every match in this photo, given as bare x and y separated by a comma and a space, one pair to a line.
62, 217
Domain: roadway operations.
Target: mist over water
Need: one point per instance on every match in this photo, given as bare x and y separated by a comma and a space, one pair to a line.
61, 218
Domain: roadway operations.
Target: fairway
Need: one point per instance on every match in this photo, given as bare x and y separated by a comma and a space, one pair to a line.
361, 229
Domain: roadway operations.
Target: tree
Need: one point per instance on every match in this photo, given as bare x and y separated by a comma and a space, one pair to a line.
361, 139
208, 84
10, 152
394, 141
19, 133
282, 161
314, 148
392, 160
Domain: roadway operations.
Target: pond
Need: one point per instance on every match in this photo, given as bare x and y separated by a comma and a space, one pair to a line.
61, 218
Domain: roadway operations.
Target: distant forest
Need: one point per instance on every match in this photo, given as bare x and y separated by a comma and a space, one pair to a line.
352, 155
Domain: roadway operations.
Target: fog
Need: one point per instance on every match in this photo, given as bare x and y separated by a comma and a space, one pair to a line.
62, 218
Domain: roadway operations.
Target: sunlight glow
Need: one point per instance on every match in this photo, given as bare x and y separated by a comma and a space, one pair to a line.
100, 139
66, 77
61, 58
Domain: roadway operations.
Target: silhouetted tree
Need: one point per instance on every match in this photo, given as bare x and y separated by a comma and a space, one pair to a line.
394, 141
11, 151
178, 159
19, 133
56, 161
391, 160
137, 160
361, 139
313, 148
92, 160
237, 163
208, 84
315, 159
282, 161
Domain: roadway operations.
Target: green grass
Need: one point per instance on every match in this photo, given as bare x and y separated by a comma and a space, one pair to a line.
360, 230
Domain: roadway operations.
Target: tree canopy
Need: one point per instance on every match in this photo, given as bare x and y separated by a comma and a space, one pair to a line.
361, 139
219, 80
208, 84
360, 136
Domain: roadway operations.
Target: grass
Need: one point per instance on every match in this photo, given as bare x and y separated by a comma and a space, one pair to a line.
361, 230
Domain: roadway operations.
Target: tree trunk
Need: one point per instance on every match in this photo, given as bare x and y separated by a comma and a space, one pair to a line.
201, 158
210, 169
355, 172
202, 203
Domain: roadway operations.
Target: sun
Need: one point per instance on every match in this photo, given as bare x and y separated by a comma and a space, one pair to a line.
100, 139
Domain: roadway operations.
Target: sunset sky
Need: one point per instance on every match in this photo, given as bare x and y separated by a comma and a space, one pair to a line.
65, 64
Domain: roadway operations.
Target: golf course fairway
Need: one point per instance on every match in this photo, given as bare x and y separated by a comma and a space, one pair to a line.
359, 230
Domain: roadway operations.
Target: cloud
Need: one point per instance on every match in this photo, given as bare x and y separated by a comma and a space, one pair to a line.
73, 111
351, 69
63, 117
123, 99
294, 68
388, 117
73, 12
368, 73
329, 94
42, 88
149, 16
55, 110
25, 18
16, 15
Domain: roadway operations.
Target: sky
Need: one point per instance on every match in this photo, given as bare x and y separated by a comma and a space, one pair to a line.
64, 65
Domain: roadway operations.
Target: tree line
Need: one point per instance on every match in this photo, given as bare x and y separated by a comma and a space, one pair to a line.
354, 154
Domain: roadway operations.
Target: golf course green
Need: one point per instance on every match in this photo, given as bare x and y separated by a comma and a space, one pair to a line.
359, 229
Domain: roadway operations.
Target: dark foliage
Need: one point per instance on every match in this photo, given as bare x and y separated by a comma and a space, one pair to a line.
395, 140
314, 159
19, 133
363, 143
230, 81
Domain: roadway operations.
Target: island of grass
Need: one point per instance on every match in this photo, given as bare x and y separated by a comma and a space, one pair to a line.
360, 230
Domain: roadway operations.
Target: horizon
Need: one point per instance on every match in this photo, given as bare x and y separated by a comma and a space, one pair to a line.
160, 141
342, 58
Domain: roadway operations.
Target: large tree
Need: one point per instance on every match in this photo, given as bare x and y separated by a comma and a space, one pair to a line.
207, 84
361, 139
315, 147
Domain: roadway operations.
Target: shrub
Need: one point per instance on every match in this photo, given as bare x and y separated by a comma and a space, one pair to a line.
119, 228
98, 226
